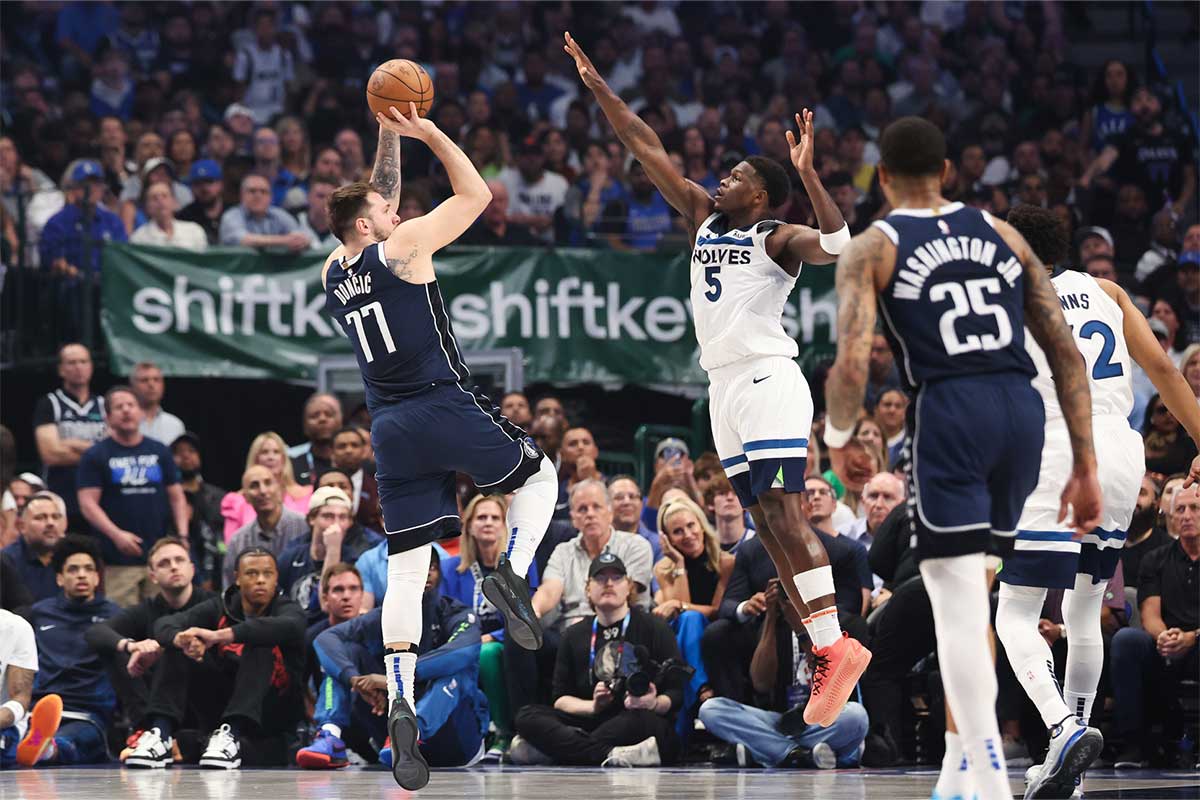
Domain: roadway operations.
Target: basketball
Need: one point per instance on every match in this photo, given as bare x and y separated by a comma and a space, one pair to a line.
397, 83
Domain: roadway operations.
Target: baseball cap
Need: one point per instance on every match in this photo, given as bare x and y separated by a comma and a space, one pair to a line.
86, 169
155, 163
606, 561
205, 170
671, 443
326, 495
1158, 327
237, 108
31, 479
189, 437
1189, 259
1093, 230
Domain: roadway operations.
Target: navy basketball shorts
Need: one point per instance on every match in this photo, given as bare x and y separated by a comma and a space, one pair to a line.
976, 448
421, 442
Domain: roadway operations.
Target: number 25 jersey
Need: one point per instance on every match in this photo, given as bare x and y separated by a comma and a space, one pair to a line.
955, 303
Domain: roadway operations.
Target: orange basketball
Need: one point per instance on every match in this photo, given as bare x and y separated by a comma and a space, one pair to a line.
397, 83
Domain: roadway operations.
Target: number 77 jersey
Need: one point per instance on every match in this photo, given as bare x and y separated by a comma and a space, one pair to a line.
954, 306
400, 331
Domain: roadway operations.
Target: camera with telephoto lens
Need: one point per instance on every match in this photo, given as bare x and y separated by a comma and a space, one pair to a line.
641, 671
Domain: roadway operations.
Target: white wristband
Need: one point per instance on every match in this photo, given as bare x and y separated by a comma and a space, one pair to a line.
836, 438
834, 243
18, 710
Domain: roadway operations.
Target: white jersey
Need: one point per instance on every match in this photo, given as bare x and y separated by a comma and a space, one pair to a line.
17, 649
1097, 326
738, 294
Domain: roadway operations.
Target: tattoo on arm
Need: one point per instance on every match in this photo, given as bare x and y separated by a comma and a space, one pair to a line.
402, 267
386, 175
847, 381
1044, 318
20, 685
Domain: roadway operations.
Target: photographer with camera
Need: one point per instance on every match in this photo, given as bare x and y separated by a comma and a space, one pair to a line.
774, 733
618, 684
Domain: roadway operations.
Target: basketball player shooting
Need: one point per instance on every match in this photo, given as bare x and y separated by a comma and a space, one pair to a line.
426, 424
744, 266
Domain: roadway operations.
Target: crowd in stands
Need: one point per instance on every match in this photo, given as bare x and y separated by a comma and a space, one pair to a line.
167, 619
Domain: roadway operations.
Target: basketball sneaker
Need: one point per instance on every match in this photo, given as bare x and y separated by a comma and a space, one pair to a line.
326, 752
223, 751
509, 593
642, 754
1032, 773
836, 670
151, 751
408, 764
1073, 748
38, 744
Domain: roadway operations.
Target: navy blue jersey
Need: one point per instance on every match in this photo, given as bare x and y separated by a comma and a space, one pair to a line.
400, 331
955, 304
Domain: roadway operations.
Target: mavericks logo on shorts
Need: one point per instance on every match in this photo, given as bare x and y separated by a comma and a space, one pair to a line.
529, 447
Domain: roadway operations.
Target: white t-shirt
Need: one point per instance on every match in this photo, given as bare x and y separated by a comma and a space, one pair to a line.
543, 197
266, 74
187, 235
18, 648
165, 427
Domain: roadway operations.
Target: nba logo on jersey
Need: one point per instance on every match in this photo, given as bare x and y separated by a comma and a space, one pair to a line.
943, 227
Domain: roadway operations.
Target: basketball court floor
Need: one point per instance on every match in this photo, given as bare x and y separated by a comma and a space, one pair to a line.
502, 783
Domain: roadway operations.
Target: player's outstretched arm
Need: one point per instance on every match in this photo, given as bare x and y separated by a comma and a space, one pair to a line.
814, 246
686, 197
1172, 387
454, 215
846, 384
385, 176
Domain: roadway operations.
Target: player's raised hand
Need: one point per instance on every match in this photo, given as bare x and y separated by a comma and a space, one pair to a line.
412, 126
1193, 475
801, 152
587, 71
1082, 494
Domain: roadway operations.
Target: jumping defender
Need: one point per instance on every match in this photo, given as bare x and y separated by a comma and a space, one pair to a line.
744, 266
426, 424
956, 288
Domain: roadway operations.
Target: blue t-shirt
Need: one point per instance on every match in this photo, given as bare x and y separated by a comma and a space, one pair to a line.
133, 483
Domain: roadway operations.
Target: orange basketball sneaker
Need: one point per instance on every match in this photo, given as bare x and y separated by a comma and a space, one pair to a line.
836, 670
43, 724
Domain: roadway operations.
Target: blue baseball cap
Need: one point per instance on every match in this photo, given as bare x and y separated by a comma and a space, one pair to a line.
1190, 259
86, 169
205, 170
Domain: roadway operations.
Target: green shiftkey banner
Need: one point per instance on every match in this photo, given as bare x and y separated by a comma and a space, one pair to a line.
579, 315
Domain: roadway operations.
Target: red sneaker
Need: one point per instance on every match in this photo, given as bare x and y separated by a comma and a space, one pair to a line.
43, 724
836, 670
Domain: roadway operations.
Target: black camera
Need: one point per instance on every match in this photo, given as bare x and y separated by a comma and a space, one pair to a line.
639, 672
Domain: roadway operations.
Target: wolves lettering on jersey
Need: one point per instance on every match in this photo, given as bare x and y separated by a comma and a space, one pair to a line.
738, 294
955, 303
400, 331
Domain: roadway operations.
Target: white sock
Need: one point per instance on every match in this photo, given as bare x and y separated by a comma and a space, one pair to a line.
529, 515
333, 728
401, 671
954, 781
958, 595
824, 628
1085, 647
1017, 619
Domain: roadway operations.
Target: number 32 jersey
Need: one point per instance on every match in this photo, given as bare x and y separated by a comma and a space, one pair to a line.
738, 294
400, 331
955, 302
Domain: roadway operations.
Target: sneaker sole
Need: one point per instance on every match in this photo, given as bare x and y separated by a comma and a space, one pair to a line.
211, 763
408, 765
1077, 757
841, 684
309, 760
823, 756
521, 632
148, 763
43, 724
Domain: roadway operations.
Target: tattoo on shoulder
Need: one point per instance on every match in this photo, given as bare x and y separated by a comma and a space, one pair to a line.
402, 267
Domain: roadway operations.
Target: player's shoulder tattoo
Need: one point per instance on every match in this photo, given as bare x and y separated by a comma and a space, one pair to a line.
402, 267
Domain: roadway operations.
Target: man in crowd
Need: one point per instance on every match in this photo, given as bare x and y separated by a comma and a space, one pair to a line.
254, 222
66, 422
495, 228
237, 662
130, 494
771, 732
148, 385
274, 527
205, 532
1164, 650
18, 668
73, 239
728, 515
881, 494
126, 643
882, 374
891, 413
163, 227
577, 458
640, 220
208, 207
561, 599
515, 407
627, 505
852, 581
597, 718
67, 668
333, 536
41, 526
451, 710
322, 418
534, 193
315, 219
350, 456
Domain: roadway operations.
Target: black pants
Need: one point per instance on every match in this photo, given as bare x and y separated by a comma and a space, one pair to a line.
246, 689
585, 741
727, 647
528, 673
902, 635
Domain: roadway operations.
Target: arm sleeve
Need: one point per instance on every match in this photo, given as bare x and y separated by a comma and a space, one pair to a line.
43, 412
738, 590
459, 651
232, 228
201, 615
564, 683
554, 568
862, 568
284, 627
640, 565
333, 645
1150, 576
131, 623
50, 246
90, 473
241, 66
170, 472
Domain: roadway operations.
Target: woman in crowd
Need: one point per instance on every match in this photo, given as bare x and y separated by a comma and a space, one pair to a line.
484, 537
267, 450
1189, 365
295, 156
869, 432
1171, 314
697, 165
692, 576
181, 151
1169, 449
559, 157
486, 150
1109, 114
